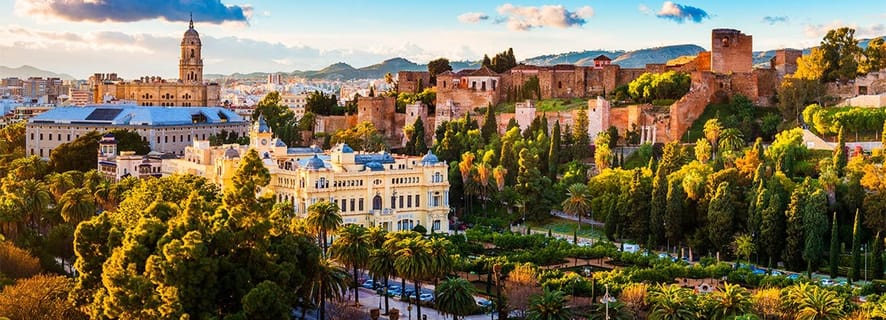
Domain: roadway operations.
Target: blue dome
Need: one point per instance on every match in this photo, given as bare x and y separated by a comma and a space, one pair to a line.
429, 159
345, 148
375, 166
315, 163
280, 143
261, 125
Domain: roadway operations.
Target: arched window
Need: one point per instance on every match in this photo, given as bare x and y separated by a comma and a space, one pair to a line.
192, 53
376, 202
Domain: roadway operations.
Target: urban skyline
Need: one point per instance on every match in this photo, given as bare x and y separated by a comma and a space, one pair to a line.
267, 36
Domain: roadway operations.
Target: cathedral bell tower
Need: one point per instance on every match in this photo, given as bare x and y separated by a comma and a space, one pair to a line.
190, 66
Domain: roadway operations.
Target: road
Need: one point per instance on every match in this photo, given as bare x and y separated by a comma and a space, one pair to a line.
370, 300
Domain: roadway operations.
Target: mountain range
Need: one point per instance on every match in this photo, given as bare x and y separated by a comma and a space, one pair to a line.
26, 71
344, 71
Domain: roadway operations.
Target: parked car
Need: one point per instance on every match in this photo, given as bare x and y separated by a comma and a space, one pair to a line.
484, 303
393, 290
369, 284
827, 282
794, 276
426, 297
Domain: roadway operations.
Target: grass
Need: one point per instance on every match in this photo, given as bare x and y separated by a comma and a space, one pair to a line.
711, 111
566, 227
547, 105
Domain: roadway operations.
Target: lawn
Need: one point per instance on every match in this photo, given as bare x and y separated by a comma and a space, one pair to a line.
713, 111
566, 227
548, 105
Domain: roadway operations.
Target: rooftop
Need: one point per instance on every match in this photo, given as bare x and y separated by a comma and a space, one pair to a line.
132, 115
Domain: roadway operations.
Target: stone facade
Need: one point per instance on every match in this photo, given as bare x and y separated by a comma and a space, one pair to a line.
731, 51
188, 91
413, 81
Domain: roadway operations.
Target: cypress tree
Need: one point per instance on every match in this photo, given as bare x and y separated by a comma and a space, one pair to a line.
840, 158
417, 141
877, 258
856, 250
490, 127
883, 136
772, 234
638, 206
815, 225
512, 124
674, 211
835, 248
554, 152
793, 251
720, 217
658, 206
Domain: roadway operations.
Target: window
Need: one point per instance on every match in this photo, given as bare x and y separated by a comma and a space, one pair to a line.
376, 202
352, 205
393, 202
361, 204
417, 202
344, 205
409, 201
401, 201
435, 226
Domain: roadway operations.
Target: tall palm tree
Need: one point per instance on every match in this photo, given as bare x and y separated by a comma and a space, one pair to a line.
483, 171
77, 205
381, 266
578, 201
729, 302
455, 296
413, 261
352, 249
59, 183
819, 304
465, 166
549, 305
375, 236
392, 244
323, 217
33, 199
441, 260
329, 281
731, 140
91, 179
671, 302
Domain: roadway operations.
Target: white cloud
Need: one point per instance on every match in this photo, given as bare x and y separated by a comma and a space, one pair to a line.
680, 13
523, 18
644, 9
473, 17
820, 30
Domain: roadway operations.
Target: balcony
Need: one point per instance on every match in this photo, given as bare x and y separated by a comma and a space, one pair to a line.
383, 212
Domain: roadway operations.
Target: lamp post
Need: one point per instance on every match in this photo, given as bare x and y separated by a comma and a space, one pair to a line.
606, 300
865, 262
409, 309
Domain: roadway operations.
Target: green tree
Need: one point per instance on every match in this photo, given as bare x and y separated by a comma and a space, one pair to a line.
839, 48
130, 141
819, 303
671, 302
362, 137
712, 131
602, 153
854, 271
729, 302
731, 141
703, 150
743, 246
874, 57
531, 181
381, 265
554, 152
673, 221
840, 156
877, 258
79, 154
323, 104
455, 296
637, 206
438, 66
266, 301
720, 218
77, 205
323, 218
795, 241
490, 127
329, 282
659, 204
352, 249
414, 262
815, 225
578, 201
581, 140
835, 248
549, 305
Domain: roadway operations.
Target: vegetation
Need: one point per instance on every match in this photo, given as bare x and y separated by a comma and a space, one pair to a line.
657, 86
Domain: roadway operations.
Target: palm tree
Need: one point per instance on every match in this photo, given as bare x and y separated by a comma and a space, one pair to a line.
483, 171
33, 198
413, 261
381, 266
578, 201
819, 304
59, 183
549, 305
455, 296
329, 281
731, 140
441, 260
352, 249
392, 244
323, 218
671, 302
729, 301
465, 166
77, 205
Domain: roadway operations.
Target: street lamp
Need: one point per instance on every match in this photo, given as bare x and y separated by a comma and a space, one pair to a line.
606, 300
865, 263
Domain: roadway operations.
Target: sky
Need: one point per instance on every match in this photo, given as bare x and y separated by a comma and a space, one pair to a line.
141, 37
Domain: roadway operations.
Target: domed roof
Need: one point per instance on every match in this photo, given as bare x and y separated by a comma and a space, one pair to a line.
231, 153
280, 143
261, 126
315, 163
375, 166
191, 32
429, 159
344, 148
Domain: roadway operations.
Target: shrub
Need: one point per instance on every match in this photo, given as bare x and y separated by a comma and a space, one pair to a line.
17, 262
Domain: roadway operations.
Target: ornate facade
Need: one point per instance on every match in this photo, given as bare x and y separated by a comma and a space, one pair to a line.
371, 189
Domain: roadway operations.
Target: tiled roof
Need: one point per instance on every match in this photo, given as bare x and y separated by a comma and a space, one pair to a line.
136, 115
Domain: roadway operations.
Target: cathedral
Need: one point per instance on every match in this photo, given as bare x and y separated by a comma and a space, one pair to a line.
188, 91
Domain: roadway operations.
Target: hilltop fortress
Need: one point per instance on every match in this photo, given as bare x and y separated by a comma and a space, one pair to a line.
716, 76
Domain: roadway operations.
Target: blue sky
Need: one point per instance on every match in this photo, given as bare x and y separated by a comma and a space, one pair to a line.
141, 37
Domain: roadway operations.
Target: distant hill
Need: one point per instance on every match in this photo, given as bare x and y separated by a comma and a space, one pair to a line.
574, 57
625, 59
26, 71
344, 71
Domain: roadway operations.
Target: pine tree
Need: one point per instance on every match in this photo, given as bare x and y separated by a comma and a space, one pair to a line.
772, 234
417, 140
835, 248
512, 124
854, 271
554, 152
580, 138
490, 127
840, 157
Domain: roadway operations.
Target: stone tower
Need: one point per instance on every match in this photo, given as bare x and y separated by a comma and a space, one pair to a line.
190, 66
525, 113
731, 51
598, 116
